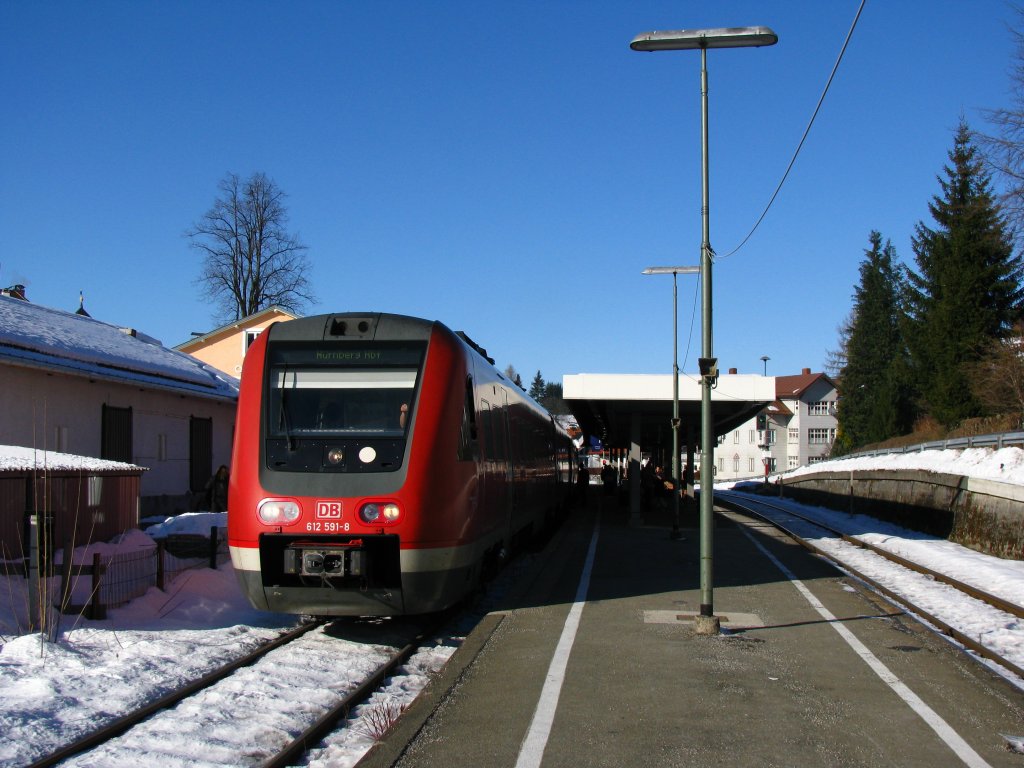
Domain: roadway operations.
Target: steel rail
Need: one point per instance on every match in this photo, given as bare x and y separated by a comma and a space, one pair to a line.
913, 610
123, 723
328, 722
976, 592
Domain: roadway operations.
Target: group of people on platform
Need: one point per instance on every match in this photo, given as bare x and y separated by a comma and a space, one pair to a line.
656, 486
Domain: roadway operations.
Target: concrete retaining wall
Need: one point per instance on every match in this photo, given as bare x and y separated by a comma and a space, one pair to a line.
986, 515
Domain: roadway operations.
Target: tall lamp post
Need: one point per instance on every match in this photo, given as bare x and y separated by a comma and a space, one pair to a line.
676, 475
765, 359
702, 39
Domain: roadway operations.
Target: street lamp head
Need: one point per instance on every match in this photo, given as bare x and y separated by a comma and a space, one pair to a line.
685, 39
672, 271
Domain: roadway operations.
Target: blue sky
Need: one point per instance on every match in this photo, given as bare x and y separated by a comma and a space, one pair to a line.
506, 168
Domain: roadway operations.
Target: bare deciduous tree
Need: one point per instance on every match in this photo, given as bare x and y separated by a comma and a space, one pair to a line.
997, 380
1004, 148
250, 262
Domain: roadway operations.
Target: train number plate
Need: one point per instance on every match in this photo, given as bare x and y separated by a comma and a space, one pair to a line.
328, 510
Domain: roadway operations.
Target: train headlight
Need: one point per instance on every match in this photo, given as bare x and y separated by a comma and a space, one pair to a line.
278, 511
380, 513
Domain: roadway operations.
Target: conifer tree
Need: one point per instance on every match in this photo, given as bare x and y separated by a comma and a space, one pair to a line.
967, 288
537, 387
876, 401
552, 398
513, 376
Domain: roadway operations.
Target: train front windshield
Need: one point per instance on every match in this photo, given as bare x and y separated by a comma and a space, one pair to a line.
338, 401
340, 409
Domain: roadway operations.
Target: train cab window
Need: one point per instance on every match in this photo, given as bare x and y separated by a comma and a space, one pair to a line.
340, 401
468, 450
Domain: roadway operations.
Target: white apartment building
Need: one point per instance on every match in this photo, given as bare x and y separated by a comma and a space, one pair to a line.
801, 427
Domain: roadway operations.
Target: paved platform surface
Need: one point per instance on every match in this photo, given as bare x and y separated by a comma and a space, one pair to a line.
779, 686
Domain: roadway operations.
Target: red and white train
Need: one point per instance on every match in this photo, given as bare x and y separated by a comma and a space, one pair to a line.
381, 464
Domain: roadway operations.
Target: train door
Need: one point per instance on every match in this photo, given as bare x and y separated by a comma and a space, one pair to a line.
507, 442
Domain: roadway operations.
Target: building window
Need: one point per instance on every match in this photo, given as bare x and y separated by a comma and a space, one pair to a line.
60, 439
736, 436
116, 434
94, 491
794, 435
200, 453
815, 459
771, 438
752, 438
819, 436
821, 408
250, 337
721, 464
794, 462
750, 464
735, 464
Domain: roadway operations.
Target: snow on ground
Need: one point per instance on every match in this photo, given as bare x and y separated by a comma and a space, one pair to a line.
96, 670
1006, 464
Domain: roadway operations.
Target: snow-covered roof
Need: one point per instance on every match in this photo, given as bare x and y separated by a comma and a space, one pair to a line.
40, 337
15, 458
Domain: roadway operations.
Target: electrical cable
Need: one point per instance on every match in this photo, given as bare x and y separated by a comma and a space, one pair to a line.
803, 138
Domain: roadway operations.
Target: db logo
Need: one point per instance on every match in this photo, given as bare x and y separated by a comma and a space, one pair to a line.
328, 510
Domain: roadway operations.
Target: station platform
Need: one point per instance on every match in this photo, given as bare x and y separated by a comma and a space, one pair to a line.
595, 661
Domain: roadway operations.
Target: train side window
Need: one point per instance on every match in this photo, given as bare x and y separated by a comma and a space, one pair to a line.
488, 423
468, 448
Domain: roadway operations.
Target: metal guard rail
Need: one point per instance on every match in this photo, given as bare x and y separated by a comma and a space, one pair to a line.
997, 441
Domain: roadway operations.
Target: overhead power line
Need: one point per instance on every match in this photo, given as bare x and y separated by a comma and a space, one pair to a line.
803, 138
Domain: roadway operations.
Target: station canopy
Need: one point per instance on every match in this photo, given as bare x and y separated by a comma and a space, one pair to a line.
606, 405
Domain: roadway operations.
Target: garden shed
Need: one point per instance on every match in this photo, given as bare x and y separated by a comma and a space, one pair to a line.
77, 499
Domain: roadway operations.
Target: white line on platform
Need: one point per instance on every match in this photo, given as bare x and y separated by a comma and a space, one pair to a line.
945, 732
532, 749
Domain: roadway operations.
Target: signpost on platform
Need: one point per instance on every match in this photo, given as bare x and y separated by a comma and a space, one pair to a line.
676, 474
702, 39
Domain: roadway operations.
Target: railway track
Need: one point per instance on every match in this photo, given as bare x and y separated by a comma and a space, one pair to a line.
265, 709
926, 591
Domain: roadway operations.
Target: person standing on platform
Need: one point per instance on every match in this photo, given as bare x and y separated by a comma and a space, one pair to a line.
610, 478
582, 481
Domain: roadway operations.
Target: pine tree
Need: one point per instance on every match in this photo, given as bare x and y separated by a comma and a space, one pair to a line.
552, 398
967, 290
876, 401
537, 387
513, 376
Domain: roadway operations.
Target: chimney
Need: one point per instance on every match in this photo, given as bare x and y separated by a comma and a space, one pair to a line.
806, 371
732, 371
